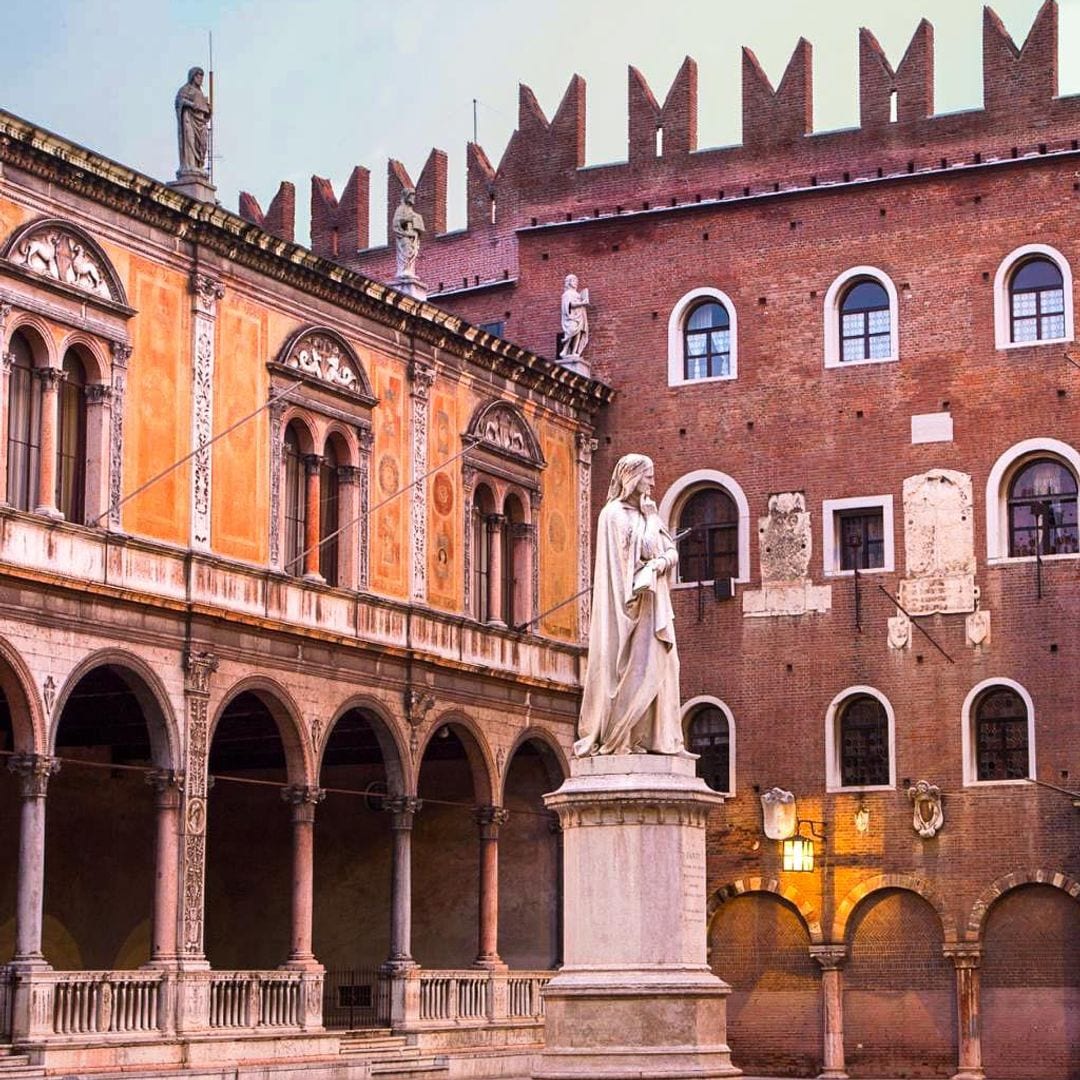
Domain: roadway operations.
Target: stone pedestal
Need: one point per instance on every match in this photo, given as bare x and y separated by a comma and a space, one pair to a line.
194, 183
635, 997
410, 285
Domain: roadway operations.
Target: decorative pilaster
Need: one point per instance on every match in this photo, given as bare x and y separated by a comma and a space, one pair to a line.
205, 292
302, 800
489, 819
121, 354
198, 667
51, 378
966, 956
831, 958
277, 468
33, 771
168, 789
7, 361
468, 486
422, 376
312, 500
586, 446
495, 525
365, 441
403, 808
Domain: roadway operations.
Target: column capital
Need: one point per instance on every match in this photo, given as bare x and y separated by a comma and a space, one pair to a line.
365, 439
830, 957
349, 474
5, 313
8, 359
198, 667
422, 377
51, 378
121, 353
168, 784
33, 771
303, 795
490, 819
495, 522
586, 445
404, 808
963, 954
312, 463
96, 393
206, 292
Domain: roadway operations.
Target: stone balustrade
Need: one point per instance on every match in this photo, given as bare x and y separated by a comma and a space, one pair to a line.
432, 999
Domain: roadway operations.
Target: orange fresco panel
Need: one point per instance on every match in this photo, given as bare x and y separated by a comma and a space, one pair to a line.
11, 217
558, 534
241, 481
389, 471
444, 495
157, 404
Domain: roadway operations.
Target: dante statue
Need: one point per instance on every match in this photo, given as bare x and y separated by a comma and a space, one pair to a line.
192, 123
631, 702
575, 319
408, 226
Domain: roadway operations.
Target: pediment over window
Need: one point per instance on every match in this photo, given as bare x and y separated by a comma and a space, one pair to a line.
498, 426
323, 356
62, 252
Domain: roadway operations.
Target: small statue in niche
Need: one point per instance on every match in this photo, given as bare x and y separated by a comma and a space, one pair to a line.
407, 227
575, 319
193, 123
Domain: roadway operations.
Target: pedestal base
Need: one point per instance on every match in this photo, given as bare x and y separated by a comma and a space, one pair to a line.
410, 285
636, 998
194, 183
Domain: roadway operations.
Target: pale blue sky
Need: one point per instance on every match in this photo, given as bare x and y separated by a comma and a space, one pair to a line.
317, 86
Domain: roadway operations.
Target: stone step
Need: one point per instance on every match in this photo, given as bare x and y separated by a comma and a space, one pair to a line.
385, 1044
420, 1068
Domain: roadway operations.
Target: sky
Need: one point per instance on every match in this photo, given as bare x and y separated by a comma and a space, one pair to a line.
307, 87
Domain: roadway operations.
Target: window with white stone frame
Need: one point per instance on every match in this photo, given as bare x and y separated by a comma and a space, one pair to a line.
1033, 298
998, 734
709, 732
861, 319
857, 533
860, 741
703, 340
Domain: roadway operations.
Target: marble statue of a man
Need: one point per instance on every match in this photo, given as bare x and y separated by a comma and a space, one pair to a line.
408, 227
631, 701
575, 319
193, 123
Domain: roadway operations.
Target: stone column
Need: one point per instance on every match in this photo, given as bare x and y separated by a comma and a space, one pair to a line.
168, 786
33, 771
205, 294
831, 958
348, 478
586, 446
489, 819
966, 956
422, 376
98, 427
495, 525
51, 378
403, 808
312, 464
121, 354
303, 801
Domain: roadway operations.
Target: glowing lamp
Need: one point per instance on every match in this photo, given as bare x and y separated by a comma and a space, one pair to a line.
798, 854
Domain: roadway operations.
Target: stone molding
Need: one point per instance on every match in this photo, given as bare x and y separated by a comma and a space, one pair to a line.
632, 810
830, 957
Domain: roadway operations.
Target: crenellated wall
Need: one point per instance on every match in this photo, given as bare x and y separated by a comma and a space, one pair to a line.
540, 177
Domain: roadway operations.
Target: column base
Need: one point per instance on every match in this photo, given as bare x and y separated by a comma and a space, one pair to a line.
302, 963
832, 1074
314, 578
969, 1074
49, 512
37, 962
490, 963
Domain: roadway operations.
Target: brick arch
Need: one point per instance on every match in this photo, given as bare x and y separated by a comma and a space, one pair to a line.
906, 882
788, 893
976, 922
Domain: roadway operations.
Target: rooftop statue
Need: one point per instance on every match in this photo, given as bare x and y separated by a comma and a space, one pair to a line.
192, 123
575, 319
408, 227
631, 702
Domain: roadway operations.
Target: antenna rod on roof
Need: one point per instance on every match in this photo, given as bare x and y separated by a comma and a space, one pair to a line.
475, 138
210, 126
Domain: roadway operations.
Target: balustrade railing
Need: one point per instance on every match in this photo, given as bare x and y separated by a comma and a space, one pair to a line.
265, 999
524, 1000
94, 1002
478, 996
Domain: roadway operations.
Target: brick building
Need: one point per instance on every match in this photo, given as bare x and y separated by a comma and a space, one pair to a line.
849, 355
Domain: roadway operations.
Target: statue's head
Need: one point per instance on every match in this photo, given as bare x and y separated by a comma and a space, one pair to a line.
408, 196
195, 75
570, 282
628, 474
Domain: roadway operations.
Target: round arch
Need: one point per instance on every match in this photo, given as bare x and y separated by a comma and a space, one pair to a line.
976, 921
399, 778
300, 419
833, 296
833, 775
690, 707
1002, 278
676, 321
285, 712
967, 730
787, 893
337, 433
997, 513
39, 336
906, 882
28, 724
478, 752
99, 367
537, 734
150, 693
690, 482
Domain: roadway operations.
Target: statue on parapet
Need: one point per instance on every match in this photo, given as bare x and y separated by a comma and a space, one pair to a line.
631, 700
407, 227
575, 319
192, 124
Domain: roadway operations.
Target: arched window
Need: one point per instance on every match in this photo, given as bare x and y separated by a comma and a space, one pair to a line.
513, 561
708, 734
710, 551
707, 342
483, 511
329, 514
865, 323
24, 427
1001, 735
1042, 510
71, 440
1036, 301
295, 504
863, 743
